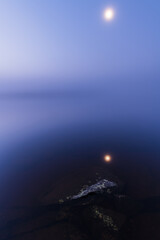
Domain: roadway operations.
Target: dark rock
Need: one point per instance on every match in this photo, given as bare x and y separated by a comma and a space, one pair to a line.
99, 212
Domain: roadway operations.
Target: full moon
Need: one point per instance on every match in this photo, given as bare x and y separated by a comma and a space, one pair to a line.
109, 14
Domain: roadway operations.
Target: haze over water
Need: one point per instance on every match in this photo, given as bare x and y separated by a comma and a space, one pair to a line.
43, 136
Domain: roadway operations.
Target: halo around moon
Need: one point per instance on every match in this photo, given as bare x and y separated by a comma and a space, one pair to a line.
109, 14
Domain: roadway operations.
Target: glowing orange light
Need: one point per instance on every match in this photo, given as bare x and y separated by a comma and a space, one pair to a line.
107, 158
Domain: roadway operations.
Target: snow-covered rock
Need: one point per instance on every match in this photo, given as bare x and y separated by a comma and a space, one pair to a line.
98, 187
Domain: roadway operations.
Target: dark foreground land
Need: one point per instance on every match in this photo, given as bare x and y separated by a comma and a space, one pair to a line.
104, 215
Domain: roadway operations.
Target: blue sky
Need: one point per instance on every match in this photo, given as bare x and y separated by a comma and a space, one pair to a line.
50, 42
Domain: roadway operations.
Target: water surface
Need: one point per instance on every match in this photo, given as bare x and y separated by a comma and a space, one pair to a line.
49, 140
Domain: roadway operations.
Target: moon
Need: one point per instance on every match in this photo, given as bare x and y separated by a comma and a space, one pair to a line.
109, 14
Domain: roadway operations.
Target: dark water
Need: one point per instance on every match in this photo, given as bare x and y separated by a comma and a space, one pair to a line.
57, 139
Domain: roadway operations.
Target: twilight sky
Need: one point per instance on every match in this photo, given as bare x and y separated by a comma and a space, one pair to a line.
50, 42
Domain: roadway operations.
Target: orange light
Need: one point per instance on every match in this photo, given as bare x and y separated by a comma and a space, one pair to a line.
107, 158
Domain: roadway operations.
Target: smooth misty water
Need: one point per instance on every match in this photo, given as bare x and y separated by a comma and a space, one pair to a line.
44, 139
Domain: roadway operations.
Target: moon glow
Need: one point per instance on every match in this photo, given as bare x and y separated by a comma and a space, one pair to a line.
109, 14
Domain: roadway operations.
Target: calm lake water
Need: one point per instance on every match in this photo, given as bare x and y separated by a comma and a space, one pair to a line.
57, 139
